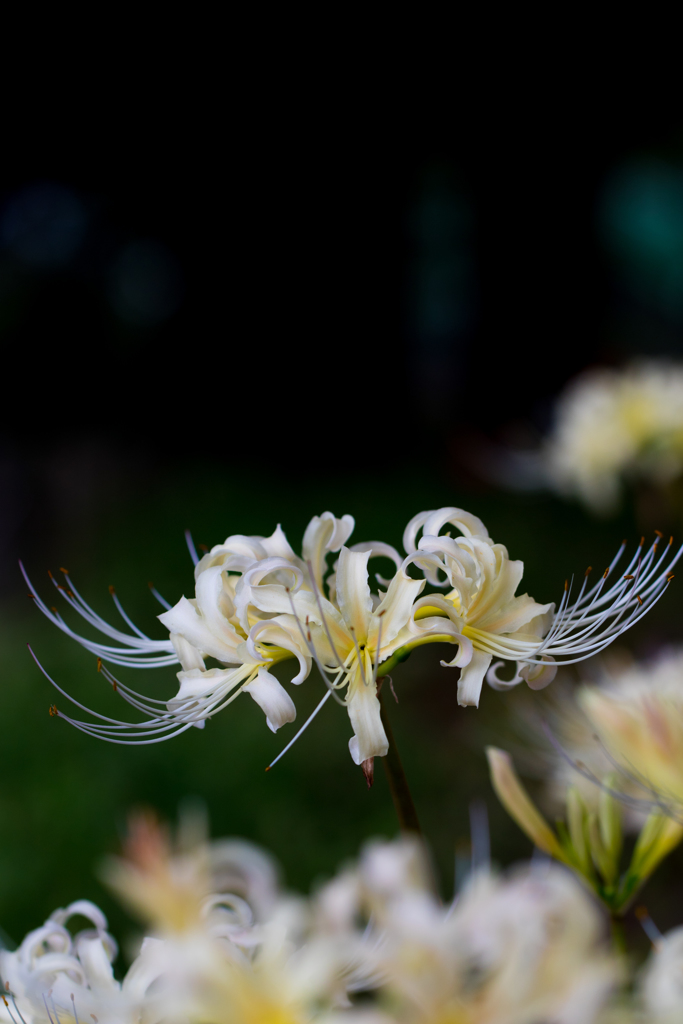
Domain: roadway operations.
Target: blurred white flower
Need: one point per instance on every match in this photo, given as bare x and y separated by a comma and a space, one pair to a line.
512, 950
252, 955
617, 424
373, 946
56, 976
661, 987
638, 718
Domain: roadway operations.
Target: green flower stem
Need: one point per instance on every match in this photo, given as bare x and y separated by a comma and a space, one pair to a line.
396, 777
618, 935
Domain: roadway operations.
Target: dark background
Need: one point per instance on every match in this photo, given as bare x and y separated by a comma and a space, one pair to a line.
223, 331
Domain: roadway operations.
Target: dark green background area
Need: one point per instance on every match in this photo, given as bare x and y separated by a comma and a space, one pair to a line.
64, 797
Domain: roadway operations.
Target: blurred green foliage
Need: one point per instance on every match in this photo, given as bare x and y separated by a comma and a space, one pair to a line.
64, 797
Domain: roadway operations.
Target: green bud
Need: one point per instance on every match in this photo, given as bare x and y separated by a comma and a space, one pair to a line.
577, 820
610, 821
602, 859
658, 837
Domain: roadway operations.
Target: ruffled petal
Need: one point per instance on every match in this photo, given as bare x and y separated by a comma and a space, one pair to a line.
472, 679
369, 739
540, 676
285, 634
199, 689
215, 602
95, 960
277, 546
396, 608
188, 656
323, 534
469, 525
238, 551
185, 619
251, 580
353, 592
496, 683
378, 549
272, 698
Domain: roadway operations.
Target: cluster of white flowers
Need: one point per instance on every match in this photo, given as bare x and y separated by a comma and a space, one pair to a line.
613, 425
258, 603
372, 946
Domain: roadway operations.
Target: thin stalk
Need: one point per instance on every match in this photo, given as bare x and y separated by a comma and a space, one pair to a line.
396, 777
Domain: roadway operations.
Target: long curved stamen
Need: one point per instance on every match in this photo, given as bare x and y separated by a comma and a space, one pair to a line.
162, 600
323, 616
359, 655
47, 1008
378, 648
599, 615
135, 651
126, 618
301, 730
191, 548
162, 726
9, 1008
649, 927
306, 636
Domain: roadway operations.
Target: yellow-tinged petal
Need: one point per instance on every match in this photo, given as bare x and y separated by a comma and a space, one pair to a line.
661, 835
395, 610
353, 592
518, 804
472, 678
369, 739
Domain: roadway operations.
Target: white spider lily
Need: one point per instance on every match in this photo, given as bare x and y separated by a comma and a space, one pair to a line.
515, 628
209, 625
203, 693
53, 976
324, 534
352, 638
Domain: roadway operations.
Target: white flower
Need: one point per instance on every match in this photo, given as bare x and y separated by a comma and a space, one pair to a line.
515, 950
638, 717
217, 622
612, 424
511, 950
351, 638
251, 956
483, 605
257, 603
54, 976
662, 980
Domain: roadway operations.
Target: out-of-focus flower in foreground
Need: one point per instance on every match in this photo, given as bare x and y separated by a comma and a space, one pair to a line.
661, 987
614, 425
521, 948
373, 946
56, 976
257, 603
589, 841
